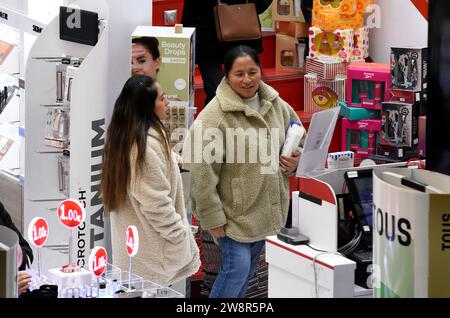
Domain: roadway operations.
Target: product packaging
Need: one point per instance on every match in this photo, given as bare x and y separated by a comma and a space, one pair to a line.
361, 45
325, 70
291, 10
400, 124
331, 46
323, 94
294, 138
360, 136
357, 113
341, 160
339, 14
409, 68
368, 85
290, 53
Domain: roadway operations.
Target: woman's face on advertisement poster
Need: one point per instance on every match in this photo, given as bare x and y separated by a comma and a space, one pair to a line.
142, 62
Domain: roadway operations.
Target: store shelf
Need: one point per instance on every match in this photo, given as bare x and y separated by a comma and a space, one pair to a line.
86, 131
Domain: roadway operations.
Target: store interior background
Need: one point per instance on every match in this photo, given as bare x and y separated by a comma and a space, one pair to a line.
411, 30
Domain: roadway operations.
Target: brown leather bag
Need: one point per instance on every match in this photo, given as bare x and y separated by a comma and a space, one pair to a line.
236, 22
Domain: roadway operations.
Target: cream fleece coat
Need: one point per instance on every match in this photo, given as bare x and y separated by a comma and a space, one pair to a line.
250, 204
155, 205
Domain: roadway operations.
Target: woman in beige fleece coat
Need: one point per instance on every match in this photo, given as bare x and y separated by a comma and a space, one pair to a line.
141, 186
238, 195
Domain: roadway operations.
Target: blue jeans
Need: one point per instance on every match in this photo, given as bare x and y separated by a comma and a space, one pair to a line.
239, 261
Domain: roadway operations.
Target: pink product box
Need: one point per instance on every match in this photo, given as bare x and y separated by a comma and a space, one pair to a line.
323, 94
422, 135
360, 136
325, 70
361, 45
368, 85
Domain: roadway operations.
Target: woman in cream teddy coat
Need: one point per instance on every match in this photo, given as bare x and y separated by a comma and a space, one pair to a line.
142, 186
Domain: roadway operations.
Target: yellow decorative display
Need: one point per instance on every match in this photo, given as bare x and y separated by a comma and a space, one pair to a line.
330, 15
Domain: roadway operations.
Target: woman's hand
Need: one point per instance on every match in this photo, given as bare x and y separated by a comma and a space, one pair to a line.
289, 164
24, 280
218, 232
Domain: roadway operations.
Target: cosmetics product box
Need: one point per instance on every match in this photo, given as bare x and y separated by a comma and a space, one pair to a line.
410, 97
400, 124
398, 153
357, 113
290, 53
339, 14
409, 68
361, 45
341, 160
291, 10
325, 70
293, 29
368, 85
323, 94
361, 136
331, 46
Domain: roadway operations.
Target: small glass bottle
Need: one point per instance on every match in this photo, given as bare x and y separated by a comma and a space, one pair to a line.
287, 58
283, 7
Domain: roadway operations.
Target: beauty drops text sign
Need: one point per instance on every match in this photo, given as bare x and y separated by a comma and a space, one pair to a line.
132, 240
97, 261
71, 213
38, 231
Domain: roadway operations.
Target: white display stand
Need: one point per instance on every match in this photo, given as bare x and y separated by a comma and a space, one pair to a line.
292, 272
87, 137
314, 212
12, 117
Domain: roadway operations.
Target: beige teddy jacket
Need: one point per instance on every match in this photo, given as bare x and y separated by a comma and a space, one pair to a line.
155, 205
250, 204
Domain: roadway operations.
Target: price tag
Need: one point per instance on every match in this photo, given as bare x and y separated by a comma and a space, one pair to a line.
71, 213
132, 240
38, 231
97, 261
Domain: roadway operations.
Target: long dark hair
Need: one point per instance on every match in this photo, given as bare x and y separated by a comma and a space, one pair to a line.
134, 114
236, 52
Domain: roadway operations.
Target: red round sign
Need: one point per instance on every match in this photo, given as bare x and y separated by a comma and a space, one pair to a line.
38, 231
71, 213
132, 240
97, 261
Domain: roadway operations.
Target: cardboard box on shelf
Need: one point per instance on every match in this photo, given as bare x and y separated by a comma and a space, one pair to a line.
325, 70
291, 10
339, 14
368, 85
400, 124
409, 68
290, 53
323, 94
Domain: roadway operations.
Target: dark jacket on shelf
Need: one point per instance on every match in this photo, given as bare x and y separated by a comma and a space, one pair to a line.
5, 220
200, 14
